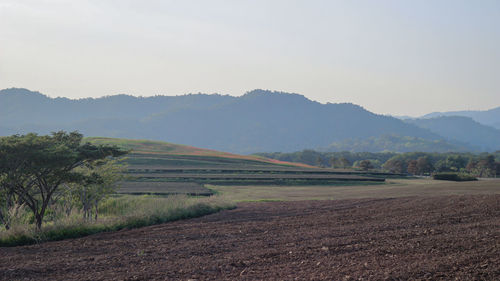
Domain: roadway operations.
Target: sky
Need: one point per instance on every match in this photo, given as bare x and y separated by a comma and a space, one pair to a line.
391, 57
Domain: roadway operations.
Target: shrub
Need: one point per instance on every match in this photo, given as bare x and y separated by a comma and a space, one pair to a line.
453, 177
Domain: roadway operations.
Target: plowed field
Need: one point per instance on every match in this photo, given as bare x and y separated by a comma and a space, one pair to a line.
412, 238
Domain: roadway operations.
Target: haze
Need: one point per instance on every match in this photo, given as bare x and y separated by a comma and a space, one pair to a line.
392, 57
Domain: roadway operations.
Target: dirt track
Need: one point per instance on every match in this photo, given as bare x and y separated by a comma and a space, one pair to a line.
405, 238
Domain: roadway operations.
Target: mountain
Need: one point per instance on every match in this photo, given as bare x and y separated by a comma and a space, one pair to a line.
21, 107
486, 117
464, 129
259, 121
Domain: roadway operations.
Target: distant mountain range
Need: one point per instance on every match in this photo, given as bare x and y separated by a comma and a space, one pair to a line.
465, 129
259, 121
486, 117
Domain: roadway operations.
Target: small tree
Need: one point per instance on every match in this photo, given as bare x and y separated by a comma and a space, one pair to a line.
101, 181
35, 167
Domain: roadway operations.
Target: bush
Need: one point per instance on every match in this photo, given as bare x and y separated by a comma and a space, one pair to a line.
453, 177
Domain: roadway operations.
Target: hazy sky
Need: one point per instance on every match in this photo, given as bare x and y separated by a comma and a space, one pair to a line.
392, 57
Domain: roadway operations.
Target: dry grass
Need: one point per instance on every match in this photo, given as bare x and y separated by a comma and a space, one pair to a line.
117, 213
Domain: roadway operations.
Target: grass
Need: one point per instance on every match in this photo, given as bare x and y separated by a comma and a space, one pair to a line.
120, 212
393, 188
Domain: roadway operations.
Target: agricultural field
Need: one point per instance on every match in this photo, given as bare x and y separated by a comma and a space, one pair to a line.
393, 188
290, 222
409, 238
163, 168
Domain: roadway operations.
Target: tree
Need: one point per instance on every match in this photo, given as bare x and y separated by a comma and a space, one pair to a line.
365, 165
482, 167
452, 163
412, 167
34, 167
486, 166
471, 166
395, 165
101, 181
424, 165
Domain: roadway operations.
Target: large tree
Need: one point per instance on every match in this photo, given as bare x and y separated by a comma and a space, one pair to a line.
34, 167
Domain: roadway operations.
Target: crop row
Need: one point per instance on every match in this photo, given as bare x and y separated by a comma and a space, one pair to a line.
157, 170
255, 177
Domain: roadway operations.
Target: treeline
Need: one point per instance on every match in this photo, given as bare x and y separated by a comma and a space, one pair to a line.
397, 143
415, 163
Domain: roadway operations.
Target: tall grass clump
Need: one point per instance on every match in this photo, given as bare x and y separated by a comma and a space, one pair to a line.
116, 213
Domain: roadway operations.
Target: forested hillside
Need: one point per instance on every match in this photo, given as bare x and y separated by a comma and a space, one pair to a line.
259, 121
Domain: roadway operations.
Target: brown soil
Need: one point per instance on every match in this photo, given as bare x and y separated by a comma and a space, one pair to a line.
422, 238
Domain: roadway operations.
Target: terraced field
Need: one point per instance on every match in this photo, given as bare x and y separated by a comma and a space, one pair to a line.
164, 188
165, 168
193, 183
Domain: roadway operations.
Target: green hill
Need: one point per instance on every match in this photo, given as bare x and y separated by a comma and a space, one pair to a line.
157, 154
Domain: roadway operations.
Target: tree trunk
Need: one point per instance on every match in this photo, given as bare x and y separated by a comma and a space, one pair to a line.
96, 205
39, 219
39, 215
